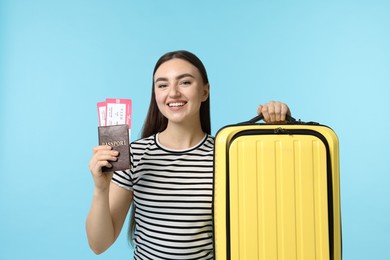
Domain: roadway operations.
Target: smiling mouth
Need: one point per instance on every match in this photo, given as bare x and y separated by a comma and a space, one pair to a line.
177, 104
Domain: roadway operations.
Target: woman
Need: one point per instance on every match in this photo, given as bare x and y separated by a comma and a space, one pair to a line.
170, 180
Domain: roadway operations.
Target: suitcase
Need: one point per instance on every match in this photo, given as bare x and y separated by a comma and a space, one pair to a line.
276, 192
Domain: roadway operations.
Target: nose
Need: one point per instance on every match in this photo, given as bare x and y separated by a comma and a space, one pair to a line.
174, 91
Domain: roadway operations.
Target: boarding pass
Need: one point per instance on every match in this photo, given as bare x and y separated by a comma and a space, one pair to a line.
115, 111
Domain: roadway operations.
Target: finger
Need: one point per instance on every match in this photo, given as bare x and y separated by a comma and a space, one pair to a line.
264, 112
259, 108
102, 155
101, 148
101, 164
278, 111
96, 169
106, 155
271, 111
285, 111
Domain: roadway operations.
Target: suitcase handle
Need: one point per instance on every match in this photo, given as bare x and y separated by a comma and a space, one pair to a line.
289, 119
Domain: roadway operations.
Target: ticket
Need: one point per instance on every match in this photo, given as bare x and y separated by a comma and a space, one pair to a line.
118, 111
102, 107
115, 111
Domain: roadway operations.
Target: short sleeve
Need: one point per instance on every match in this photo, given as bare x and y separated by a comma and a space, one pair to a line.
123, 178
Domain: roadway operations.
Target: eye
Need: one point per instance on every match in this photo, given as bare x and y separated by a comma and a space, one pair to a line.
185, 82
161, 85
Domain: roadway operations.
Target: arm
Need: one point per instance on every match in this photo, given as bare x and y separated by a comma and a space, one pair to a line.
110, 203
106, 217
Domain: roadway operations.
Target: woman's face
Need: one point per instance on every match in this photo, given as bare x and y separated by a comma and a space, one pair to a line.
179, 91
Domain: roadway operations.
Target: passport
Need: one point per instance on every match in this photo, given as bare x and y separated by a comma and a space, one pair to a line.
116, 136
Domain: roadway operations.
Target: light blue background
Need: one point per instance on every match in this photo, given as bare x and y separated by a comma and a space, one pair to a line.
329, 60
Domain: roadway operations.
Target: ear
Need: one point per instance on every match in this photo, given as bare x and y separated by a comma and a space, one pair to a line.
206, 92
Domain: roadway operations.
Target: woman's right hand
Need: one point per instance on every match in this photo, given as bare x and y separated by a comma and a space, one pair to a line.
102, 155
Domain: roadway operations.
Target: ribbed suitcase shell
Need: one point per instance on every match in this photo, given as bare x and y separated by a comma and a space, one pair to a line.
276, 193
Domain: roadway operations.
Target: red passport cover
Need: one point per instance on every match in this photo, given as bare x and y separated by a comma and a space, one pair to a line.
116, 136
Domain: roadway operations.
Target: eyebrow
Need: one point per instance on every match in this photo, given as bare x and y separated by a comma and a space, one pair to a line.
178, 77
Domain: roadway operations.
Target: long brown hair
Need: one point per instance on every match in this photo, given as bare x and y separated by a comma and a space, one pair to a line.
155, 121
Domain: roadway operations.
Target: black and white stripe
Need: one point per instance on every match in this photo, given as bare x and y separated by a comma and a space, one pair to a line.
173, 196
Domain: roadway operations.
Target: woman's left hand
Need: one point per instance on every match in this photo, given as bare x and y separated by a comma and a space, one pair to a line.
274, 112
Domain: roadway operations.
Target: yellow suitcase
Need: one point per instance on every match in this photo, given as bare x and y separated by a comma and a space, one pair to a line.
276, 192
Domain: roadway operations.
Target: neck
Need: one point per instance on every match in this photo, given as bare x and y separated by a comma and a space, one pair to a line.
180, 137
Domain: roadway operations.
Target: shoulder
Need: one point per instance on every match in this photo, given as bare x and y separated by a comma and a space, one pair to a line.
208, 143
144, 147
210, 139
143, 141
142, 144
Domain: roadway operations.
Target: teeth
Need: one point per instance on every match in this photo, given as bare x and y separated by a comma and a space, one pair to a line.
178, 104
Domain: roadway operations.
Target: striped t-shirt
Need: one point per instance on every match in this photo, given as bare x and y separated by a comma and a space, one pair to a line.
173, 196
